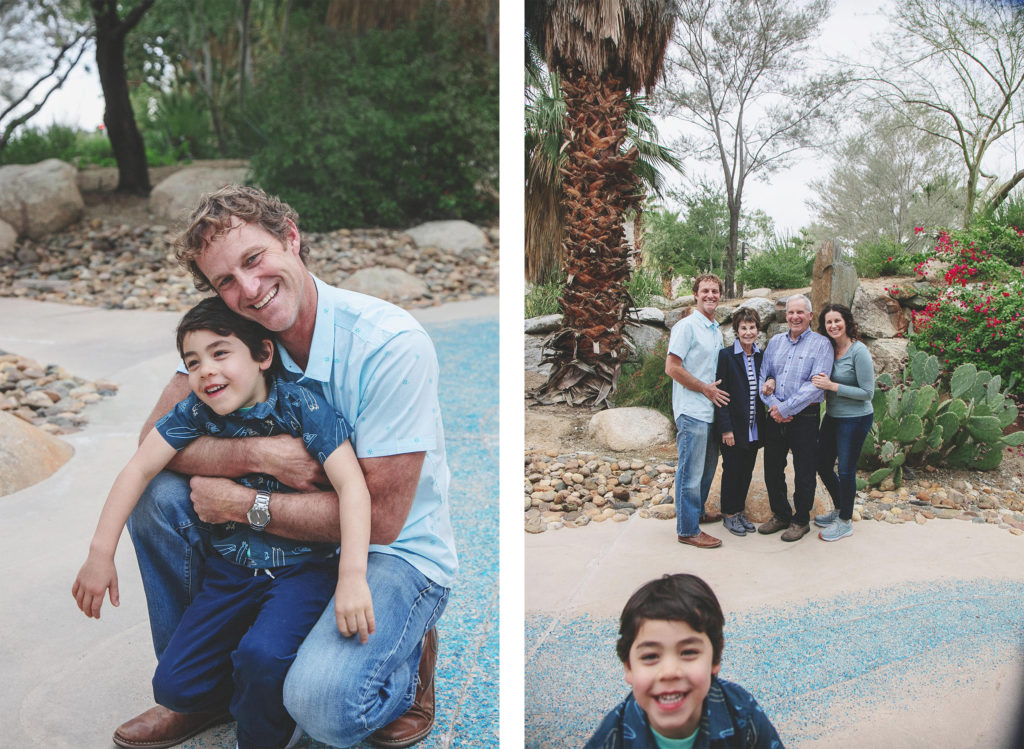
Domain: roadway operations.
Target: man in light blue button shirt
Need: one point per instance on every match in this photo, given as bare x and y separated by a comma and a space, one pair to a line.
376, 365
691, 363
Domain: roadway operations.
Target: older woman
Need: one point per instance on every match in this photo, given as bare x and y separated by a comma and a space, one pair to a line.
848, 417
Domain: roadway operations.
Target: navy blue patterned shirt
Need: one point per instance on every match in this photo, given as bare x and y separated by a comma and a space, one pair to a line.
289, 409
731, 719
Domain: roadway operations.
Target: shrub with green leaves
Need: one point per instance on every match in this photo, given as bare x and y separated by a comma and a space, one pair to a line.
882, 257
785, 264
927, 419
395, 127
642, 284
645, 383
542, 299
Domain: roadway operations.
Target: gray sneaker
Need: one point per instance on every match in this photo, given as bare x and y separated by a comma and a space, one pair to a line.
734, 525
747, 525
839, 529
796, 532
824, 521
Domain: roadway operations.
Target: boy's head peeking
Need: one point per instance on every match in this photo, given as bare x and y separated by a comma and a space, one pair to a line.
229, 359
670, 642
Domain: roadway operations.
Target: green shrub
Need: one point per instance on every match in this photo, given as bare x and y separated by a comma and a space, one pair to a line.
999, 240
1010, 212
396, 127
882, 257
642, 284
785, 264
542, 299
645, 383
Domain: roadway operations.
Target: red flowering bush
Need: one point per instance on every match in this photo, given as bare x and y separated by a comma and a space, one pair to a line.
979, 317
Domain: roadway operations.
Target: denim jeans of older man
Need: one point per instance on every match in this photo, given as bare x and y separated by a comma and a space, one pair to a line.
338, 690
698, 459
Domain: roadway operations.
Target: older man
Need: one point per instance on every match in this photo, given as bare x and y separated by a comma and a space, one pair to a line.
691, 361
790, 361
374, 363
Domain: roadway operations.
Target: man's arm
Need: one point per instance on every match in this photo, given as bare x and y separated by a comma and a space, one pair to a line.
314, 516
283, 457
674, 368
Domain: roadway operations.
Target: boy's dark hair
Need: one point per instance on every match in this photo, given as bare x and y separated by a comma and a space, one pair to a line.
745, 314
675, 598
213, 314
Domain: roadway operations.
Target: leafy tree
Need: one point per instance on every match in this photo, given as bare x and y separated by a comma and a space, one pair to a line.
737, 76
963, 61
119, 118
42, 42
601, 52
887, 179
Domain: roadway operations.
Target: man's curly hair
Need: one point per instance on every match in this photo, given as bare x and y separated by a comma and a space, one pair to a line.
214, 216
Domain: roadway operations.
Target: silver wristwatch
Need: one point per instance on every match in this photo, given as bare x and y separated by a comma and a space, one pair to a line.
259, 514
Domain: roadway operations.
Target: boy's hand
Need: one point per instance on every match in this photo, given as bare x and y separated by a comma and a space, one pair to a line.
353, 606
97, 575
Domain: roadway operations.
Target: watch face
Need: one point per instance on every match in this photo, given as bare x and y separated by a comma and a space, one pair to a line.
258, 516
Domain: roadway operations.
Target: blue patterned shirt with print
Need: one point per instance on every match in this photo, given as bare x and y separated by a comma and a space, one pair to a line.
731, 719
289, 409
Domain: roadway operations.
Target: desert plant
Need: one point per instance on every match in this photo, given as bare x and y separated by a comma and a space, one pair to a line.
785, 264
542, 298
643, 383
642, 284
882, 257
927, 419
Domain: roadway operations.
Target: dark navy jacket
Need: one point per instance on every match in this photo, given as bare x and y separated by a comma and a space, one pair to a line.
734, 416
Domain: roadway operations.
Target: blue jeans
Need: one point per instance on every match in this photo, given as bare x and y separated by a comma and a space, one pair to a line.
171, 543
698, 459
236, 641
842, 439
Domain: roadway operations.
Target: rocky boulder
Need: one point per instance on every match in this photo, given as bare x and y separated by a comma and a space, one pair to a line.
391, 284
175, 197
878, 315
625, 429
39, 199
542, 324
27, 454
764, 307
887, 354
8, 236
645, 338
453, 236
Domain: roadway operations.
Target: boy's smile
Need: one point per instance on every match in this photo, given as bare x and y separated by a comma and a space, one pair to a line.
670, 669
222, 372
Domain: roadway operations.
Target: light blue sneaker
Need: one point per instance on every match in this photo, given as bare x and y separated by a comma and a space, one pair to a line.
839, 529
824, 521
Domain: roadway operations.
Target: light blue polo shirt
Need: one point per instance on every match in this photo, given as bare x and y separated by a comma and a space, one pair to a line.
696, 340
377, 365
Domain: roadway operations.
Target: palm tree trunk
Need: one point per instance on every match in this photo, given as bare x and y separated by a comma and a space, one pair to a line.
598, 187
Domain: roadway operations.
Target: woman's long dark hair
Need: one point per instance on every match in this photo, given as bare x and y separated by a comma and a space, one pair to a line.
851, 326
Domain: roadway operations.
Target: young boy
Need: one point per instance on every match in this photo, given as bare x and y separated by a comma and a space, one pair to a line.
670, 641
261, 594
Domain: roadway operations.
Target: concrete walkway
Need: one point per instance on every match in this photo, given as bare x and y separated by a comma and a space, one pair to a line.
899, 636
69, 681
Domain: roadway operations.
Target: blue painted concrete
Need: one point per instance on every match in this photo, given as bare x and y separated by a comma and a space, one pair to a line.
797, 661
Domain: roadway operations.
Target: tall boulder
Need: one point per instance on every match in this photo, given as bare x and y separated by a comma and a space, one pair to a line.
39, 199
833, 280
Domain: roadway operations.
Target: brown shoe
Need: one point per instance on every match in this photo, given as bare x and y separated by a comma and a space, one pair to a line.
710, 517
773, 525
415, 723
795, 532
702, 540
159, 727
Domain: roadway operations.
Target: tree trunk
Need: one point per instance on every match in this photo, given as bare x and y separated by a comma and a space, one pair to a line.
118, 118
598, 187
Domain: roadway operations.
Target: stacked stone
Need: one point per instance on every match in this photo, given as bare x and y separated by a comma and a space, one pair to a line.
122, 267
571, 491
48, 397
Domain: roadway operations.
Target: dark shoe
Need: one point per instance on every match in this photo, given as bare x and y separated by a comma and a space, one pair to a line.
774, 525
734, 525
415, 723
796, 532
710, 517
158, 728
747, 525
702, 540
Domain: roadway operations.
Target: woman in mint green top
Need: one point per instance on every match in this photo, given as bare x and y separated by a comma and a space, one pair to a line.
848, 418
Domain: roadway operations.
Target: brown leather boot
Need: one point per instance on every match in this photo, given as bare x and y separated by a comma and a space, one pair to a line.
416, 722
158, 728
